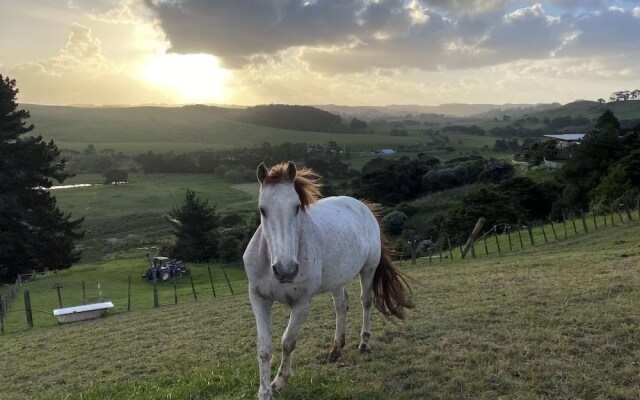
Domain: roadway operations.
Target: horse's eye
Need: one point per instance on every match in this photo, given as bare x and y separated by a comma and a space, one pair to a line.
263, 212
297, 209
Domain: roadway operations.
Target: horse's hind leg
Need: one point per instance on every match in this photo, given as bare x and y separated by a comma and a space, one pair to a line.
366, 286
298, 315
341, 303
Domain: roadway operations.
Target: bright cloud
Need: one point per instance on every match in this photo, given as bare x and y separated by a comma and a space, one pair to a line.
322, 51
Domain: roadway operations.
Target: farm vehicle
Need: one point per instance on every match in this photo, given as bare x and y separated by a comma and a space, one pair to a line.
164, 268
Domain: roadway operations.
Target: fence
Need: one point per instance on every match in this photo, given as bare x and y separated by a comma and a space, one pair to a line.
125, 288
505, 238
122, 284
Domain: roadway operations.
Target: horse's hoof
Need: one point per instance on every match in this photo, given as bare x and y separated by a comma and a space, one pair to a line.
332, 358
364, 349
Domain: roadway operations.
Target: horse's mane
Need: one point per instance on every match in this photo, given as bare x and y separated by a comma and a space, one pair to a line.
306, 183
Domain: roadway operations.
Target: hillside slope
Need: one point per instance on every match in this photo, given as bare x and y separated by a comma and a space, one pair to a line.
622, 109
554, 322
136, 130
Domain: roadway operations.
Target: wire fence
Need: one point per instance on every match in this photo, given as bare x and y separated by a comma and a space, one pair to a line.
508, 238
34, 299
124, 286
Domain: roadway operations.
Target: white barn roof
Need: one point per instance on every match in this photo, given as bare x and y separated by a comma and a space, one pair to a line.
568, 137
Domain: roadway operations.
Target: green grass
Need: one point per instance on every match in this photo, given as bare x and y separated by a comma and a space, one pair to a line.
113, 277
557, 322
136, 130
121, 218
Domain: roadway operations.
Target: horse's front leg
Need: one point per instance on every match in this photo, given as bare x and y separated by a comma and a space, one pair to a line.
262, 312
299, 312
341, 304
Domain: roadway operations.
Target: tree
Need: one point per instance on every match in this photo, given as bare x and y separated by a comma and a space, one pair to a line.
115, 176
34, 234
196, 229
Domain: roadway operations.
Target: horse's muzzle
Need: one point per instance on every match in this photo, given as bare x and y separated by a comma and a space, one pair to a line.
285, 274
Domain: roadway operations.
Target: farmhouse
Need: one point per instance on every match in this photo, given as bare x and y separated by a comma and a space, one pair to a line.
563, 144
387, 152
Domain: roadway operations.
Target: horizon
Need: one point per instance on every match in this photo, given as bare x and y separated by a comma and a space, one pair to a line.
427, 53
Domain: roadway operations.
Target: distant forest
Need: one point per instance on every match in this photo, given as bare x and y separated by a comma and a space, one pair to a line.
283, 116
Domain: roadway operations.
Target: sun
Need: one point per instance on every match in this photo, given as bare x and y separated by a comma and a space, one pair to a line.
195, 77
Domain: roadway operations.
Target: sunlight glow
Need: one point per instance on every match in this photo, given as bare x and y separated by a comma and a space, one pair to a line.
196, 77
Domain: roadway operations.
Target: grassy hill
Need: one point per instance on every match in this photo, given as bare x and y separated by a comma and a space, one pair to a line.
591, 109
134, 130
554, 322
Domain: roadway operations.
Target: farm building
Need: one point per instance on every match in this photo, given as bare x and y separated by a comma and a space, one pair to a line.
563, 143
387, 152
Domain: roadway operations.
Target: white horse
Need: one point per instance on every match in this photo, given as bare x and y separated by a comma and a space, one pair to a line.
306, 246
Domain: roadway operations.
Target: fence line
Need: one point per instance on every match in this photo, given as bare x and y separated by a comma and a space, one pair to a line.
537, 233
68, 293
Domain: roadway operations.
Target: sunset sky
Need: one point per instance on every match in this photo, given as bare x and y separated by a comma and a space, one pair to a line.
351, 52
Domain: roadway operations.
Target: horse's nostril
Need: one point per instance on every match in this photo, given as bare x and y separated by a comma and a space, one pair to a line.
275, 269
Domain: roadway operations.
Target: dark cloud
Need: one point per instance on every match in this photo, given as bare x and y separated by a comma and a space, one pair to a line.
235, 30
357, 35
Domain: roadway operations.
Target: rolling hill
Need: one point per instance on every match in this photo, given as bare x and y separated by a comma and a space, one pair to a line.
136, 130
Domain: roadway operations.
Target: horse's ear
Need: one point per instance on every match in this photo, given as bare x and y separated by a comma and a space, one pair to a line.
262, 172
291, 170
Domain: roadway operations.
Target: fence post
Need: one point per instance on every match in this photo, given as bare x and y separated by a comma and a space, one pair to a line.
495, 235
564, 222
595, 222
628, 211
484, 239
553, 228
450, 251
84, 292
473, 249
100, 291
441, 243
224, 271
27, 309
213, 288
509, 236
156, 304
619, 214
175, 291
584, 221
520, 237
612, 222
129, 295
573, 221
544, 234
533, 243
57, 287
193, 288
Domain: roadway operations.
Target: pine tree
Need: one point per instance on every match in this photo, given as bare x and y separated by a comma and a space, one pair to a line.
196, 229
34, 234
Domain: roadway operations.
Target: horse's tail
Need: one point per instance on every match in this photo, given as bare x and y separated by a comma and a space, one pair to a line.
391, 292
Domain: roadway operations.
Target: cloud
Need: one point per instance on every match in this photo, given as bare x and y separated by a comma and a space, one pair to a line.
357, 35
80, 73
603, 33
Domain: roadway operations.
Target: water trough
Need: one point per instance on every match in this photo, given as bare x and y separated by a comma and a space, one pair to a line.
81, 313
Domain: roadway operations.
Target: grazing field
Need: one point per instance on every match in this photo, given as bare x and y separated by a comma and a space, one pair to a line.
559, 322
134, 130
120, 218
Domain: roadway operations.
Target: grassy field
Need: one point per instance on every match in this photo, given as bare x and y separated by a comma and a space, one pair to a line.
113, 277
134, 130
557, 322
121, 218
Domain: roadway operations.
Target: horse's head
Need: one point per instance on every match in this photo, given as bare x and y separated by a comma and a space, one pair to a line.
280, 207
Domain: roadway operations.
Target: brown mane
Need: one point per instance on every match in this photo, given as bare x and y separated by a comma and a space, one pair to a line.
305, 183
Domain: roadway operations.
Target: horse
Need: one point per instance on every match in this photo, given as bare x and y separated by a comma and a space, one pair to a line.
307, 245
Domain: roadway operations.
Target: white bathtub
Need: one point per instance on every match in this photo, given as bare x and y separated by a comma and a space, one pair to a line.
81, 313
